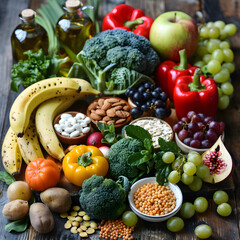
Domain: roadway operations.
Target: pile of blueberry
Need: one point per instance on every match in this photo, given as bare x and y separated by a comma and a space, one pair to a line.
146, 96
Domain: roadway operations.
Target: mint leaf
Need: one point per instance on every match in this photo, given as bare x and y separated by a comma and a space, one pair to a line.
148, 144
168, 146
110, 137
162, 175
137, 133
6, 177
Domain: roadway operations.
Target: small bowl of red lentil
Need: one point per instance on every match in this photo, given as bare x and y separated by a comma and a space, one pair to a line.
153, 202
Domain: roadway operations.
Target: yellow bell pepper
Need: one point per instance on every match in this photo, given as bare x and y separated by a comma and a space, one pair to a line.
82, 162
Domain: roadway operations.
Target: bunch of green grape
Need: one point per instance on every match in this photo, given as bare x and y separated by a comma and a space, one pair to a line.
215, 57
190, 169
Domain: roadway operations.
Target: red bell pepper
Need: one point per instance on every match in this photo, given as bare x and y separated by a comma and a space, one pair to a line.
195, 93
168, 71
126, 17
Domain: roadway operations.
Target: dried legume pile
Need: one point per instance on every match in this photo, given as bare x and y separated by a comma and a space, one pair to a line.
114, 229
154, 199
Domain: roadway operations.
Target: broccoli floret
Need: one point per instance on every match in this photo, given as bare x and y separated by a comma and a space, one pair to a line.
118, 157
102, 198
113, 49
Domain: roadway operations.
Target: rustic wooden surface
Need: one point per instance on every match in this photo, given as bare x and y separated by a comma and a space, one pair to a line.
223, 228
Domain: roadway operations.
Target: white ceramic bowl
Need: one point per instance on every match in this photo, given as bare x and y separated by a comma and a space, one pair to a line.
186, 149
176, 190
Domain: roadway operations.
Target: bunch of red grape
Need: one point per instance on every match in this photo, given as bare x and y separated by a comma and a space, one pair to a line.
198, 131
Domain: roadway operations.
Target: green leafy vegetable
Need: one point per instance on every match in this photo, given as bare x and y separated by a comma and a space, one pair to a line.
18, 226
6, 177
138, 133
36, 68
167, 146
115, 60
108, 132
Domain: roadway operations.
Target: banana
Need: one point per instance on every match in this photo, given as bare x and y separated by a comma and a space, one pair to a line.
28, 144
45, 115
48, 110
41, 91
11, 156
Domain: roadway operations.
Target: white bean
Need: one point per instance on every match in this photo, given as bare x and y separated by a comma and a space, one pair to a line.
68, 124
58, 128
75, 134
65, 134
66, 115
80, 116
77, 127
62, 121
63, 126
69, 129
87, 120
86, 129
72, 120
83, 124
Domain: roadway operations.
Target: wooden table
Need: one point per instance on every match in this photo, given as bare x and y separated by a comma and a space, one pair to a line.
223, 228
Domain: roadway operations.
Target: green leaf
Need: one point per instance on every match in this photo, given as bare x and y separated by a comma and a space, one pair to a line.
137, 133
124, 182
18, 226
111, 127
137, 159
110, 137
148, 144
167, 146
6, 177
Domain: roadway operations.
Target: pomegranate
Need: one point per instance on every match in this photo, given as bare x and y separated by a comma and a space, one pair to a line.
95, 139
219, 162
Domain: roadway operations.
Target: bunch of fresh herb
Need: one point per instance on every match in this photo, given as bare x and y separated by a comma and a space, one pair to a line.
37, 67
148, 159
109, 133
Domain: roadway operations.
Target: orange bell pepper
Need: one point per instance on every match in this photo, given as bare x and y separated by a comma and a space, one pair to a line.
82, 162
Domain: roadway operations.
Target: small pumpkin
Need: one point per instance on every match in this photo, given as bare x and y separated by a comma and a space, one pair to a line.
42, 174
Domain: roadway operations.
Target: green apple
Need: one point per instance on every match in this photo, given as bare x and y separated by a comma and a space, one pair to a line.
172, 32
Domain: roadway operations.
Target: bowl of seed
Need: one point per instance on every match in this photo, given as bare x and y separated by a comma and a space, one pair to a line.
153, 202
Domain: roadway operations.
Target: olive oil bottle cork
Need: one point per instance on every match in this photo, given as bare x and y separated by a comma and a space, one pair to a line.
28, 36
73, 28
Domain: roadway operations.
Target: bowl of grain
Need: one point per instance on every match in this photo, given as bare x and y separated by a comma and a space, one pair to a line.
156, 127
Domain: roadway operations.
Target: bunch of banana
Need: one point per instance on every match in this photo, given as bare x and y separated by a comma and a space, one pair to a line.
41, 91
21, 140
11, 156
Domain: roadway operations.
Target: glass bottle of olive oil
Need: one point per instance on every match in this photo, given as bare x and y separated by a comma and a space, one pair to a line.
28, 36
73, 28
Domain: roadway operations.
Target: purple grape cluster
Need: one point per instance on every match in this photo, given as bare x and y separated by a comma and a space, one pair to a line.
146, 97
198, 131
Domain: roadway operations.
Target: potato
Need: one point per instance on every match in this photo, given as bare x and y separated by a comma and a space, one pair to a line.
41, 218
15, 209
19, 190
57, 199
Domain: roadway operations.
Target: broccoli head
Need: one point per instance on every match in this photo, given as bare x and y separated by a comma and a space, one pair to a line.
115, 49
118, 157
102, 198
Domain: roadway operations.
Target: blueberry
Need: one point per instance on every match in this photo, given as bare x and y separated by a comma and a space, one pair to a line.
144, 108
160, 103
152, 86
141, 89
147, 95
131, 92
158, 89
137, 103
147, 85
136, 112
153, 100
149, 104
155, 94
161, 112
164, 96
137, 96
